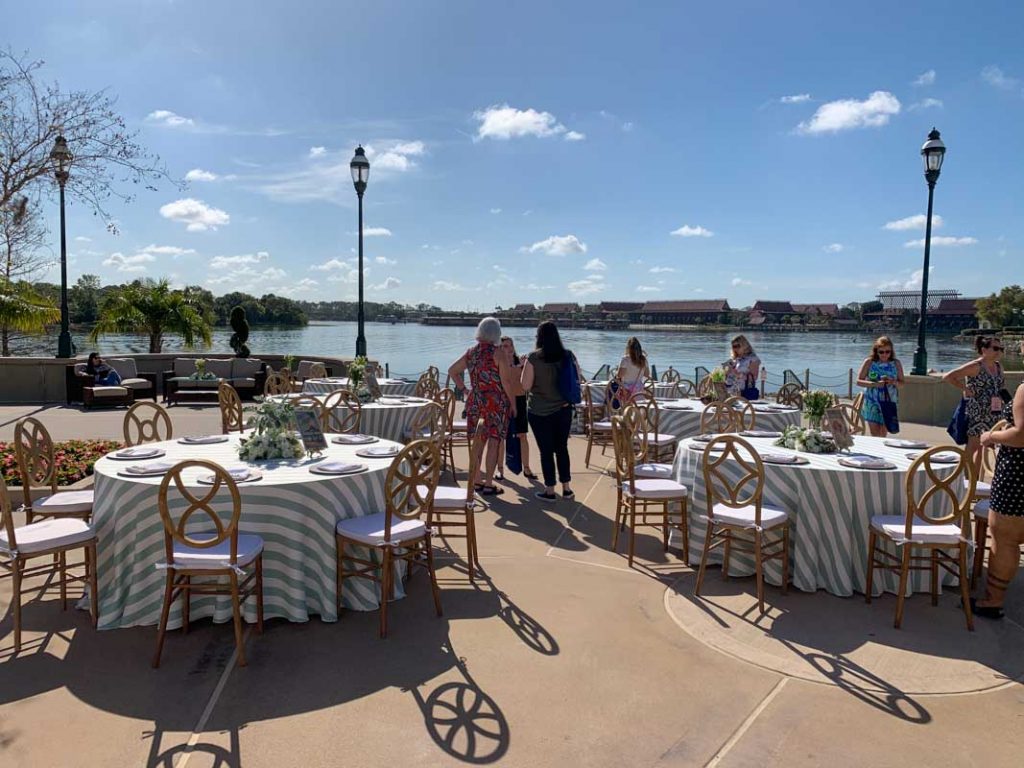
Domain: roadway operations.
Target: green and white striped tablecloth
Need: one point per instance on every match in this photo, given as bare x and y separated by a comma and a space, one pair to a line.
686, 423
598, 389
386, 419
293, 510
829, 506
387, 386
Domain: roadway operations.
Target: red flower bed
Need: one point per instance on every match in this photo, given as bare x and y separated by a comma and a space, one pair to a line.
74, 459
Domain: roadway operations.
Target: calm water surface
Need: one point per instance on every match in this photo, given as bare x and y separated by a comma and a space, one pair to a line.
409, 348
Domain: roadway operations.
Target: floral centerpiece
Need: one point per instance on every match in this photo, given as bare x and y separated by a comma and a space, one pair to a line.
201, 373
357, 378
806, 440
275, 436
714, 389
815, 405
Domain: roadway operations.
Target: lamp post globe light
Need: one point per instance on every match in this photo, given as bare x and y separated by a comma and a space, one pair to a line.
933, 152
60, 158
360, 168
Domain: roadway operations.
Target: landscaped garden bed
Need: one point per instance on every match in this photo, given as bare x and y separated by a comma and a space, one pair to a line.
75, 459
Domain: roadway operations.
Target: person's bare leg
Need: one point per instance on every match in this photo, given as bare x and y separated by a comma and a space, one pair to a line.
524, 449
1004, 559
478, 452
500, 465
974, 453
492, 461
876, 430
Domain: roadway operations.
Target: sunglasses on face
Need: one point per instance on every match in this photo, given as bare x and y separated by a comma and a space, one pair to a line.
885, 351
736, 346
996, 349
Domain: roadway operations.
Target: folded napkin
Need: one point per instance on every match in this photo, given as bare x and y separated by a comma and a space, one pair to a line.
760, 433
204, 440
379, 451
906, 444
354, 439
239, 473
156, 468
938, 458
337, 466
138, 452
677, 407
780, 458
866, 462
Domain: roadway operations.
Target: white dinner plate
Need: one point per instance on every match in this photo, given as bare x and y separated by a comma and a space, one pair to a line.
147, 470
865, 462
238, 474
378, 452
204, 440
677, 407
938, 458
893, 443
337, 467
759, 433
782, 458
138, 452
355, 439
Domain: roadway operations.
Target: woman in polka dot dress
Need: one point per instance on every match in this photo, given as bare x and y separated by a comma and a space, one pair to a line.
1006, 511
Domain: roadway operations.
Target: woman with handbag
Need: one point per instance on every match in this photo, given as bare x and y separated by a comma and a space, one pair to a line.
881, 375
980, 381
741, 369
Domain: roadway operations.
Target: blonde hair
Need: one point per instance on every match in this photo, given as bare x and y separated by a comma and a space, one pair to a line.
745, 345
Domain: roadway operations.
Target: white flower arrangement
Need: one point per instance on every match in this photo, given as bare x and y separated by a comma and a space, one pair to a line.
274, 436
806, 440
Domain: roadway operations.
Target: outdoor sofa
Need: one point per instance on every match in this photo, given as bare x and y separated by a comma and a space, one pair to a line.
246, 375
81, 387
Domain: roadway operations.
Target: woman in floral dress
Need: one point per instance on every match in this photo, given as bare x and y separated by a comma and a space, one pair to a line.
491, 398
880, 373
981, 382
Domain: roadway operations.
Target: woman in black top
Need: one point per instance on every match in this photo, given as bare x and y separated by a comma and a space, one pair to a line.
101, 373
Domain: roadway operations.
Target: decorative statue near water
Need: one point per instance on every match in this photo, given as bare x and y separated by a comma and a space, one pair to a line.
241, 332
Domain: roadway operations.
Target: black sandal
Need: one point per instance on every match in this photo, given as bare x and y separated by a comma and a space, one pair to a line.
492, 490
986, 611
529, 475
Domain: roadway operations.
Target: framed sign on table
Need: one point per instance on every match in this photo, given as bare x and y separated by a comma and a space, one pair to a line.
372, 386
311, 432
835, 422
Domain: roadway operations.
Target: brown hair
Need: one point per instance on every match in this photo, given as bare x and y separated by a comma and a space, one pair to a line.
744, 343
982, 341
635, 351
882, 341
510, 340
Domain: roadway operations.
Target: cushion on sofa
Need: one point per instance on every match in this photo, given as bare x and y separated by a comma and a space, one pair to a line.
137, 383
245, 368
80, 369
109, 391
219, 368
184, 366
246, 382
125, 367
303, 371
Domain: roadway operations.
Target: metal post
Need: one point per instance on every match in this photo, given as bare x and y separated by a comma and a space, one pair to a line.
64, 340
850, 389
360, 335
921, 355
807, 379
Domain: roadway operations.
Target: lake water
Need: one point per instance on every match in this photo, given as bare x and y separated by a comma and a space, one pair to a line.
409, 348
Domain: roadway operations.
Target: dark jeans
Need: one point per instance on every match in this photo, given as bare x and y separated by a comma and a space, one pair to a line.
552, 436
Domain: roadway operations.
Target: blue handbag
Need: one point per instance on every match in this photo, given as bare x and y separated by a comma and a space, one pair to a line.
957, 428
569, 380
888, 409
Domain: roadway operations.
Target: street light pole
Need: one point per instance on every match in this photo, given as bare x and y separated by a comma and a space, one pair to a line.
933, 152
61, 157
360, 168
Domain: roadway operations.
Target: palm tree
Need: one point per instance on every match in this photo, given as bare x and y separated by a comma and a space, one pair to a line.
153, 309
21, 309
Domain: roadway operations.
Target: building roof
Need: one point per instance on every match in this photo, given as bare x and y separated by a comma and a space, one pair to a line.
560, 308
524, 308
703, 305
621, 306
821, 309
774, 307
956, 307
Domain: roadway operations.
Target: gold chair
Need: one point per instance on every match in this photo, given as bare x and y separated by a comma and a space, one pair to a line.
790, 394
737, 517
434, 373
454, 508
147, 423
632, 491
341, 412
599, 431
37, 466
232, 418
658, 443
52, 539
853, 418
223, 552
982, 493
317, 371
429, 423
670, 376
936, 534
278, 383
643, 466
743, 413
446, 399
685, 388
397, 533
427, 386
718, 418
858, 402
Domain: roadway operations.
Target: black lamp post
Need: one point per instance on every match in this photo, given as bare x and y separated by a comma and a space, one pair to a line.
61, 157
360, 168
933, 153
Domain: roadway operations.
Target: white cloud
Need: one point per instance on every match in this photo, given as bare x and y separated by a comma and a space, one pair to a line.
195, 214
797, 98
332, 265
737, 281
928, 103
167, 250
917, 221
687, 231
317, 151
198, 174
659, 270
558, 245
925, 78
416, 148
387, 285
376, 232
834, 248
845, 114
136, 263
169, 119
909, 284
504, 122
228, 262
698, 290
994, 76
447, 285
595, 265
627, 127
647, 288
941, 242
588, 285
305, 283
83, 239
495, 210
385, 260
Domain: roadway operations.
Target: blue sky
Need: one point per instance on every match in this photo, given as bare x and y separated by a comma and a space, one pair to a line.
554, 151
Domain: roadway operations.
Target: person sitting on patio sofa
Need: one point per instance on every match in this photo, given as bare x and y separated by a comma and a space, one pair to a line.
101, 373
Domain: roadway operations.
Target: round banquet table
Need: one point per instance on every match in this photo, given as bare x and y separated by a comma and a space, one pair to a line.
682, 417
387, 418
598, 389
829, 506
292, 509
387, 386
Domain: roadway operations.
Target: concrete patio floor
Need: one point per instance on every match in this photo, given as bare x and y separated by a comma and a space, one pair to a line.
560, 656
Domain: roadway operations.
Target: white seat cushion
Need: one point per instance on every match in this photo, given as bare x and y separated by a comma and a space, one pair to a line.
653, 471
745, 516
894, 526
446, 496
981, 509
136, 383
217, 557
459, 425
656, 489
982, 490
48, 534
109, 391
603, 426
64, 503
660, 438
370, 529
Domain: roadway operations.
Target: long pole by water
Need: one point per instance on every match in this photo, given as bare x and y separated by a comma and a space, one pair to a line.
361, 335
921, 355
64, 340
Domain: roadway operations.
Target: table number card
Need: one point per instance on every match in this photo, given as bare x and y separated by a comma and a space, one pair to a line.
310, 431
835, 423
371, 385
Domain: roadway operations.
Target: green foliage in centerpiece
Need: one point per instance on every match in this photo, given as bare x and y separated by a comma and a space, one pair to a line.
806, 440
201, 373
275, 436
815, 405
357, 373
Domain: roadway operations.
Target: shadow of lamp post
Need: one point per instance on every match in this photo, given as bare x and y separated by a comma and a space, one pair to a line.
61, 157
360, 168
933, 153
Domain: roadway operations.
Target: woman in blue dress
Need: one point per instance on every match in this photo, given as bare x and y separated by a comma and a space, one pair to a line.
881, 374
